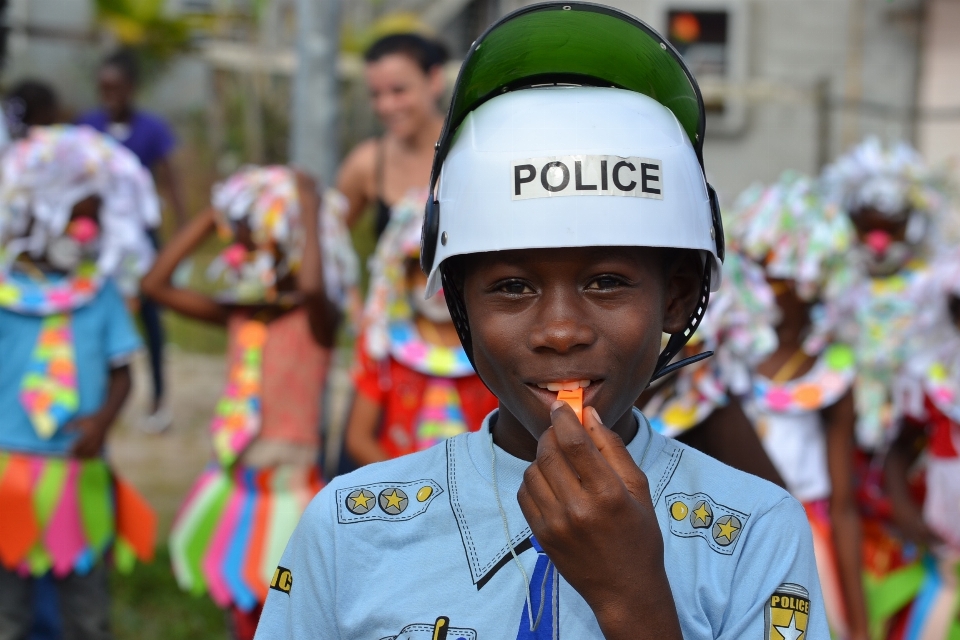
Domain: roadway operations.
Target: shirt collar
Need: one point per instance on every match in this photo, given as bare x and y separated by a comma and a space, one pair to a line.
470, 479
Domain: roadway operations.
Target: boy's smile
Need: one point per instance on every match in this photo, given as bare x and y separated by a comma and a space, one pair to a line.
546, 319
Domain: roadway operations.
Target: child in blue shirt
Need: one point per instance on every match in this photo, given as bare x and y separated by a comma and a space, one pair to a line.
570, 226
66, 339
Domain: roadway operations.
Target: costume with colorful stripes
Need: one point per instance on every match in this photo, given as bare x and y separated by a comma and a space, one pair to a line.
62, 514
235, 522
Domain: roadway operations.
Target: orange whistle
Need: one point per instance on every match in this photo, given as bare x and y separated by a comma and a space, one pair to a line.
575, 400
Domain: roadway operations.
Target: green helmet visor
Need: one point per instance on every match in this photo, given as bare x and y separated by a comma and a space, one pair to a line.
574, 43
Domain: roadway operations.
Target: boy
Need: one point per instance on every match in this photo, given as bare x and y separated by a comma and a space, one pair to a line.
572, 227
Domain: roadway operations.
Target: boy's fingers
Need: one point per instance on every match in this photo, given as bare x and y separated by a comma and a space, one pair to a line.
612, 449
553, 465
579, 449
535, 496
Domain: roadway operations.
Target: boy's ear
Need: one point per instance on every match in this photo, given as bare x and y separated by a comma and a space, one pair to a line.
682, 291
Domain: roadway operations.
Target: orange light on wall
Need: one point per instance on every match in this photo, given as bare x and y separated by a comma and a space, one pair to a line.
685, 27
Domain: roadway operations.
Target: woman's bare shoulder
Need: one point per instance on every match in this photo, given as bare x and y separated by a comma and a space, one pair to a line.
362, 158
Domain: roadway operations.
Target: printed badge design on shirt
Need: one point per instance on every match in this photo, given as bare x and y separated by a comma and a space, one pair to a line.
699, 515
786, 613
282, 580
439, 630
390, 501
586, 175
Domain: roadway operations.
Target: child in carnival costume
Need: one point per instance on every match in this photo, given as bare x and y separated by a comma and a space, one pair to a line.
897, 204
802, 400
283, 302
415, 384
894, 200
929, 442
72, 203
700, 404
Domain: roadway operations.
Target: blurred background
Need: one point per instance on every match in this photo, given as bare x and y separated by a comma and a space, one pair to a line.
789, 84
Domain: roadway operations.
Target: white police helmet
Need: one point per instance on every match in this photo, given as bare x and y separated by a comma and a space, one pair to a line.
571, 125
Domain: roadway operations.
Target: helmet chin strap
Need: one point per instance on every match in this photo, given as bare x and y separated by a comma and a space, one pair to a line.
458, 313
679, 340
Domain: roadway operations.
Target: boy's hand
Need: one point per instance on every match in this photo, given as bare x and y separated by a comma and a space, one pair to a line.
589, 506
93, 433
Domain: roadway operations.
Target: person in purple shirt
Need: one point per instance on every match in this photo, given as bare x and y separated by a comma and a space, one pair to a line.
149, 137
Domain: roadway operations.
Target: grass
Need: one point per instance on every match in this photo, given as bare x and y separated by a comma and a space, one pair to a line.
148, 605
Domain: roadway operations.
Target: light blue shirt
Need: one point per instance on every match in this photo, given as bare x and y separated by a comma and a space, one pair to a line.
103, 337
415, 548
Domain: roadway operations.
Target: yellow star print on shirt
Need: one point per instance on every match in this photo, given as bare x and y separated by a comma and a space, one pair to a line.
394, 500
360, 500
702, 513
727, 529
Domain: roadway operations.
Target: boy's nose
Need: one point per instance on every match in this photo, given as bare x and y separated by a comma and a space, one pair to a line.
562, 334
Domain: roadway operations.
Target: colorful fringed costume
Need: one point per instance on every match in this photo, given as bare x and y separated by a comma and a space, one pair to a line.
236, 519
929, 387
788, 420
62, 514
895, 185
427, 392
235, 522
63, 328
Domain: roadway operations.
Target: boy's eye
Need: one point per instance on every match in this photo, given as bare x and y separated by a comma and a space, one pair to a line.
514, 287
604, 282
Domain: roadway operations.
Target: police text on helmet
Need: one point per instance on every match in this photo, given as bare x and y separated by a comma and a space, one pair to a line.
586, 175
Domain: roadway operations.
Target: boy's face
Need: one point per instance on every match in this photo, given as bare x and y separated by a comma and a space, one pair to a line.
591, 314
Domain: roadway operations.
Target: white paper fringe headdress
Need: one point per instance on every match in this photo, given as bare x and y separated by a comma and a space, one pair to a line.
43, 175
266, 200
738, 325
894, 180
794, 234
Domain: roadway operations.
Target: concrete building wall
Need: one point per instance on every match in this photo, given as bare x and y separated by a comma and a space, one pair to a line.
939, 135
53, 40
792, 45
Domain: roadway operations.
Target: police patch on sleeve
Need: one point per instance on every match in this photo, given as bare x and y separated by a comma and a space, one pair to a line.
786, 613
586, 175
698, 515
385, 501
282, 580
439, 630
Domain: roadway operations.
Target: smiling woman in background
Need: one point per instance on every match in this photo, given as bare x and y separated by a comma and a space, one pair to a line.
405, 75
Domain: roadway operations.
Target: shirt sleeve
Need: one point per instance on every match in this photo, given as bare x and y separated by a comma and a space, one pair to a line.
300, 603
121, 339
775, 592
